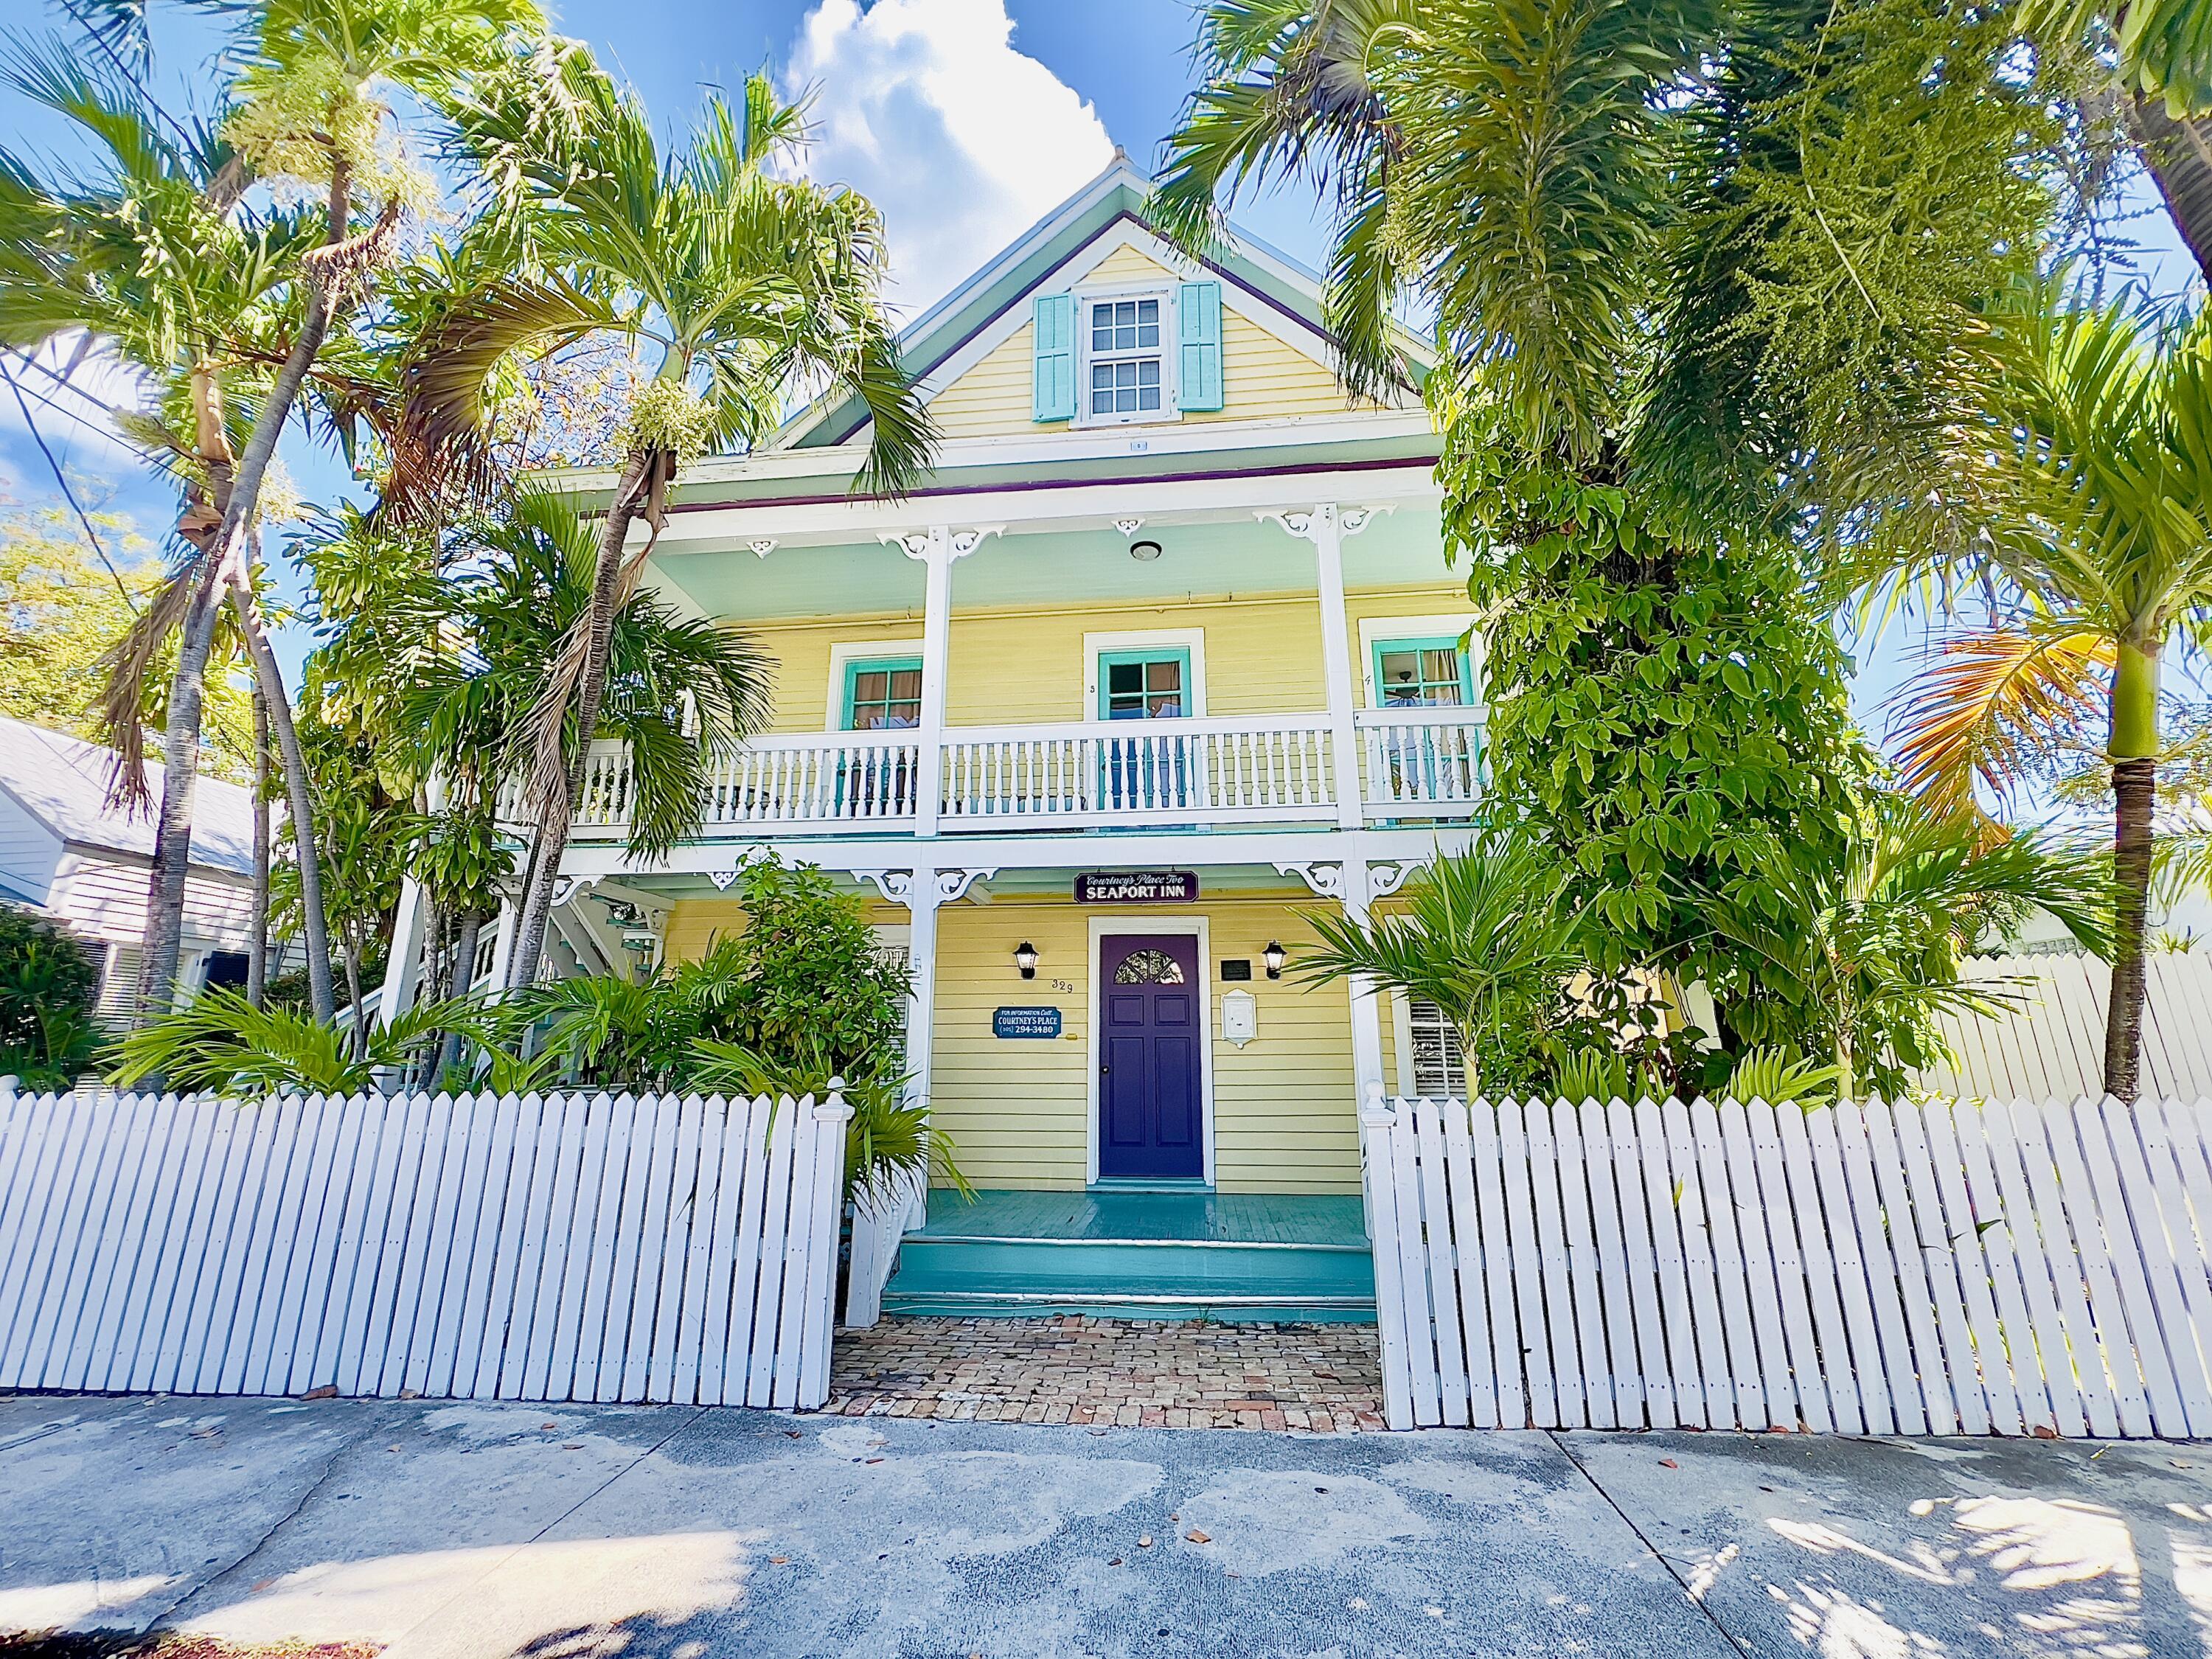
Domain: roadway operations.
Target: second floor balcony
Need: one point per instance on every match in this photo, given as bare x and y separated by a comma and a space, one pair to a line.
1408, 766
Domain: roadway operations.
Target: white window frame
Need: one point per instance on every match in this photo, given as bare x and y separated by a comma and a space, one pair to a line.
845, 652
1192, 640
1375, 631
1133, 922
1171, 408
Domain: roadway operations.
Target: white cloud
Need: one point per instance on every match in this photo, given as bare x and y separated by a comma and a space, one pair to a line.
925, 106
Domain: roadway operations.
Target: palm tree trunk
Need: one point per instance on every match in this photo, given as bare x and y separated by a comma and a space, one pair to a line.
2178, 154
353, 990
172, 829
256, 949
2133, 748
464, 975
173, 838
268, 683
558, 810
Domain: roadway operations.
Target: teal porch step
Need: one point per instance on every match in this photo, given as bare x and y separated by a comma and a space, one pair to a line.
1138, 1255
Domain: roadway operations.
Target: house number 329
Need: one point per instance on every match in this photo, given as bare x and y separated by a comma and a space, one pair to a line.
1065, 987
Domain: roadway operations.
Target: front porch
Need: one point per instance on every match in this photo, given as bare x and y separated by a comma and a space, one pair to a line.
1287, 1258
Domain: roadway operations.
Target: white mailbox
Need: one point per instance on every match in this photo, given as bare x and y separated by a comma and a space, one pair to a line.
1240, 1017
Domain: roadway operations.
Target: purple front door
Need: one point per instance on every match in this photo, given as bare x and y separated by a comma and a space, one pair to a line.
1149, 1116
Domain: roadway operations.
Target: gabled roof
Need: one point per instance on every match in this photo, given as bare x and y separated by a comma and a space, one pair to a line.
62, 781
1119, 193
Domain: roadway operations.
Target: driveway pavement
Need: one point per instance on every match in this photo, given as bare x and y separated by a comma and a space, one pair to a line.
479, 1532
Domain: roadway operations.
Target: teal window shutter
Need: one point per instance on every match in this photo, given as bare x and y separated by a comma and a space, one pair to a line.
1198, 306
1052, 381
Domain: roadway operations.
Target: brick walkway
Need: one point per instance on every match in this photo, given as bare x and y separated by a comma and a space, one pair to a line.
1316, 1379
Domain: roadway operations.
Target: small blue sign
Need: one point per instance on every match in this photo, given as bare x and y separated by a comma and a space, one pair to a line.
1025, 1021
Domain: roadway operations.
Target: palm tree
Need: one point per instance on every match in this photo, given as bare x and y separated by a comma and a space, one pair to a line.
1862, 956
677, 689
2104, 428
1294, 89
1492, 936
155, 259
2160, 56
748, 282
439, 656
309, 107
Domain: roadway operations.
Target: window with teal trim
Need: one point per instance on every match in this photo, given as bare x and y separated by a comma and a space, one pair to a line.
882, 695
1135, 685
1422, 674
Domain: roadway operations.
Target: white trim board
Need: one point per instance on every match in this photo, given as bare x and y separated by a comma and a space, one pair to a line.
1192, 640
1202, 928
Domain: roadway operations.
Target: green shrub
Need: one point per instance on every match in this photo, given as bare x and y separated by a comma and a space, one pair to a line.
49, 985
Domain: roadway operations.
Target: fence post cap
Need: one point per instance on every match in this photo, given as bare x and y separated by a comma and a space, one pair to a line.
832, 1110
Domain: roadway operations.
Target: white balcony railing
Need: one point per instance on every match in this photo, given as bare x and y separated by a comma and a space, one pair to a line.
1270, 770
1421, 764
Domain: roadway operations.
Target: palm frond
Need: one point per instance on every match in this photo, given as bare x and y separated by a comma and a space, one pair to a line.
441, 435
1990, 706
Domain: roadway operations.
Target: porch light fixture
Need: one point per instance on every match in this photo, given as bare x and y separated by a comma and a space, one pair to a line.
1144, 552
1272, 956
1025, 959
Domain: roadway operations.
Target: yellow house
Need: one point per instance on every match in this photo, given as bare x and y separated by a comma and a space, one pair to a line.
1161, 654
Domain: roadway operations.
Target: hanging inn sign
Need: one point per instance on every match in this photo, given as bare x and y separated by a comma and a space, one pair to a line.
1136, 887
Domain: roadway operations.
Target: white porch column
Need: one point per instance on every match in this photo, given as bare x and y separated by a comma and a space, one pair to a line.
1366, 1006
403, 971
1326, 527
922, 992
1356, 884
934, 548
922, 891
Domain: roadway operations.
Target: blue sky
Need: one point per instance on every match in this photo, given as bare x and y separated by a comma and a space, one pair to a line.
964, 119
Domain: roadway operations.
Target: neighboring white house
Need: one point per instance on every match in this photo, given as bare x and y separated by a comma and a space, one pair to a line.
67, 854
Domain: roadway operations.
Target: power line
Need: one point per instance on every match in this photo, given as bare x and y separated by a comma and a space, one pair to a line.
69, 414
61, 478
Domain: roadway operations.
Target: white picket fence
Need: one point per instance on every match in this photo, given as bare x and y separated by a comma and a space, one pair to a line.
2052, 1045
884, 1212
554, 1247
1937, 1268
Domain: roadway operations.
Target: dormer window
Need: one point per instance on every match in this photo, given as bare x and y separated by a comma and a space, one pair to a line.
1131, 353
1127, 358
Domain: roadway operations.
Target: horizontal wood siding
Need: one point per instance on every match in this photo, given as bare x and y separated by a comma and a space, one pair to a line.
992, 399
1017, 1110
28, 850
1011, 665
1263, 378
1285, 1107
106, 898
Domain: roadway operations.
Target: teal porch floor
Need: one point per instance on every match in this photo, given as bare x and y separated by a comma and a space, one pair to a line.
1143, 1255
1194, 1217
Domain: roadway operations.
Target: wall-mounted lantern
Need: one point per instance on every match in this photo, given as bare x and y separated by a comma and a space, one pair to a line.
1274, 956
1025, 958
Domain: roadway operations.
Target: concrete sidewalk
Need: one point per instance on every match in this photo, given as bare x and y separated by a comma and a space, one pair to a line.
672, 1533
